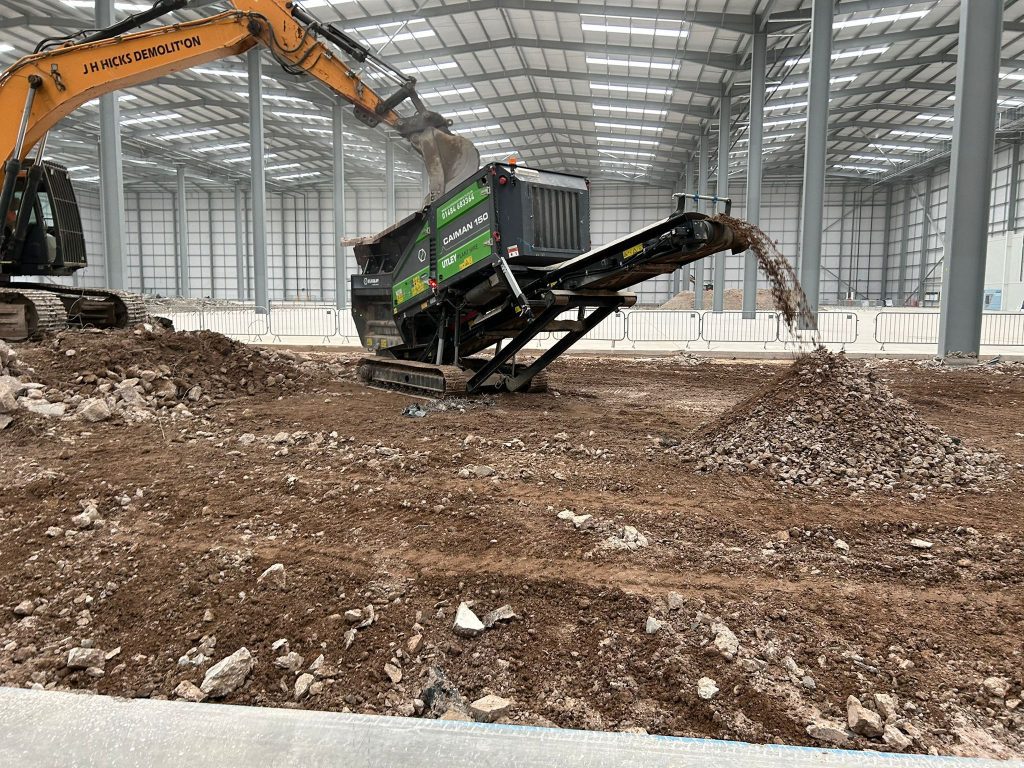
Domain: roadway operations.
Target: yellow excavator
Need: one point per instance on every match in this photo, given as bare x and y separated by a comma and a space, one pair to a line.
42, 229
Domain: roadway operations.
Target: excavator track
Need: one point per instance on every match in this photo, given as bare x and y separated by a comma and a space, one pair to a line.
415, 377
29, 313
96, 307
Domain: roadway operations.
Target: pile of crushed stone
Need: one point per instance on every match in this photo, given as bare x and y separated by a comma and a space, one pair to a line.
140, 373
827, 423
732, 300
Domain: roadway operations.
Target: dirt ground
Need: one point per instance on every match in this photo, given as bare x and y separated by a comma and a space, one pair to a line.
364, 507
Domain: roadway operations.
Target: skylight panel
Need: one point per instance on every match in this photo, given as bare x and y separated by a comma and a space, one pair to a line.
842, 55
629, 25
805, 84
634, 90
633, 63
629, 140
188, 134
631, 110
888, 18
923, 134
151, 119
628, 127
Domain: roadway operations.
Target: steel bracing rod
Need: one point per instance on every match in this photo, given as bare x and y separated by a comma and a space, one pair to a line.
515, 344
517, 382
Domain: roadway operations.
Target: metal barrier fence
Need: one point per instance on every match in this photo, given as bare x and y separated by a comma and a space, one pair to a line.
763, 328
906, 328
304, 320
325, 323
1003, 329
612, 328
998, 329
237, 323
662, 326
833, 328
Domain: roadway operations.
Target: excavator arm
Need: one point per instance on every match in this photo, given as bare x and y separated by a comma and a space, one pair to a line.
45, 87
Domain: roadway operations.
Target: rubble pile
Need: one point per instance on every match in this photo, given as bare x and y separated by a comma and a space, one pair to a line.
140, 373
828, 423
733, 299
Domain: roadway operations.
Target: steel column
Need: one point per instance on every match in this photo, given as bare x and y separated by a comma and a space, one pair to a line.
340, 257
240, 238
901, 275
213, 266
758, 67
813, 208
1011, 201
389, 180
724, 118
926, 233
259, 182
884, 283
181, 208
138, 227
702, 189
970, 178
685, 274
111, 172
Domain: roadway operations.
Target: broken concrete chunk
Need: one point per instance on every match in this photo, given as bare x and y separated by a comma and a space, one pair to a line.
228, 674
896, 739
707, 688
886, 704
489, 708
93, 410
726, 643
291, 661
302, 686
827, 733
413, 644
466, 622
996, 686
862, 720
504, 613
189, 691
456, 715
83, 658
274, 576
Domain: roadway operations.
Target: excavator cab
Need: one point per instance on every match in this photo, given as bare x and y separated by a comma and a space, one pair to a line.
42, 232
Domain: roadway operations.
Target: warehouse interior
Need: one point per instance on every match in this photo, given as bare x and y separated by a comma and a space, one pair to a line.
524, 80
685, 428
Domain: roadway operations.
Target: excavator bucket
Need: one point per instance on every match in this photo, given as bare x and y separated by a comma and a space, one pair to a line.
449, 158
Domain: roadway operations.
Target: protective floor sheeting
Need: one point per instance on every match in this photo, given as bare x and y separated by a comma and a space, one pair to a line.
48, 728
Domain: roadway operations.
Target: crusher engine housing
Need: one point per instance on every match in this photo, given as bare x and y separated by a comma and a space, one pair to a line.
498, 260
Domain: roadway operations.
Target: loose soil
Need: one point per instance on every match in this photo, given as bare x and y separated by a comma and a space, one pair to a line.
365, 506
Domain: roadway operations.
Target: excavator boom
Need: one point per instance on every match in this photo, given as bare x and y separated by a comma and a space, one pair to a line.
41, 231
45, 87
